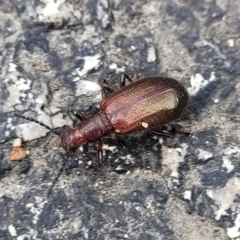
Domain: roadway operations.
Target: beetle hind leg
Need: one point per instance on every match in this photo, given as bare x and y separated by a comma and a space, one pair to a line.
161, 133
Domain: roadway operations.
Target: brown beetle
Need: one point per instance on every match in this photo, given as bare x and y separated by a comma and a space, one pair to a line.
143, 105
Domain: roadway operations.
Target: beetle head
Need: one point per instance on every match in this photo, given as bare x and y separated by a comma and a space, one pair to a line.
71, 139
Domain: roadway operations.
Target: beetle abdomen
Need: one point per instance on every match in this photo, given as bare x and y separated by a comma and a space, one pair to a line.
145, 104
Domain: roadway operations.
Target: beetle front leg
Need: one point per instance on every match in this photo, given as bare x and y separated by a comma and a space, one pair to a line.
123, 78
100, 153
78, 117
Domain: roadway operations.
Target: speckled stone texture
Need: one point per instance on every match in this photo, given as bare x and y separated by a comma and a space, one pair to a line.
53, 52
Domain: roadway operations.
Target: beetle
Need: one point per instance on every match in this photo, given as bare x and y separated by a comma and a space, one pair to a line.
141, 105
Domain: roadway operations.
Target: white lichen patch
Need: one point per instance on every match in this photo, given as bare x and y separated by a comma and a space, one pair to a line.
151, 56
12, 230
89, 88
102, 12
227, 154
31, 130
23, 84
198, 82
234, 232
14, 96
76, 224
204, 155
90, 63
110, 148
231, 42
42, 98
56, 11
85, 87
227, 164
172, 157
36, 208
16, 85
187, 195
225, 196
115, 67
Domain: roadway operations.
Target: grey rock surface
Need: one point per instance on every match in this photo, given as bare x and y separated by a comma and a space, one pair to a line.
54, 53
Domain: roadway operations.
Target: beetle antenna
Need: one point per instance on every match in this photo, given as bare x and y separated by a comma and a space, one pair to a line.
36, 121
58, 175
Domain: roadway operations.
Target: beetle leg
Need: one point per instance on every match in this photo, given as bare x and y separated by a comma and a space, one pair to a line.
123, 145
78, 115
85, 147
100, 153
122, 80
161, 133
177, 131
106, 90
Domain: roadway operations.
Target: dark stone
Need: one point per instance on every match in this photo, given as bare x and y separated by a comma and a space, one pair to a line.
4, 209
133, 213
120, 40
160, 224
4, 167
20, 7
227, 90
60, 201
4, 233
205, 139
25, 166
189, 38
48, 217
55, 61
118, 234
215, 178
233, 107
137, 197
145, 236
35, 38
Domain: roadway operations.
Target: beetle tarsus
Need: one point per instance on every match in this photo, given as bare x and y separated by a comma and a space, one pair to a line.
106, 90
161, 133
